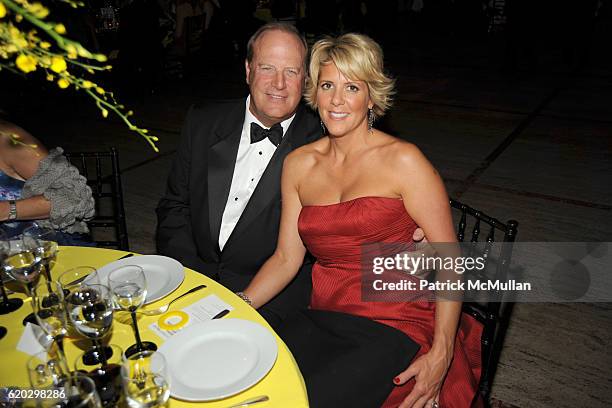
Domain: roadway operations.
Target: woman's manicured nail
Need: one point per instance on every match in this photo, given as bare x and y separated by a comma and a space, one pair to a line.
396, 380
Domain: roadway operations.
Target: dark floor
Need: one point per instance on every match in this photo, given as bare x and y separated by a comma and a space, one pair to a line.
533, 144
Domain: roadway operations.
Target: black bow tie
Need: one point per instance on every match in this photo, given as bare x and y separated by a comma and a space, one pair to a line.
275, 133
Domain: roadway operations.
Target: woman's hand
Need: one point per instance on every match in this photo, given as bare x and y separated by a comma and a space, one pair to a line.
429, 371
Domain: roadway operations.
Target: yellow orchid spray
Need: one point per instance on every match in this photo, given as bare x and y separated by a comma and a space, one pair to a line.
24, 52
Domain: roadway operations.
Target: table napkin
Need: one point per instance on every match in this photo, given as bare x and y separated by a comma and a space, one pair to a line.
33, 340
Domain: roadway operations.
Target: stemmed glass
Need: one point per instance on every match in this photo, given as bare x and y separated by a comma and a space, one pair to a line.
23, 263
45, 371
70, 281
90, 310
47, 239
7, 305
107, 376
63, 390
74, 278
50, 312
80, 392
145, 380
129, 290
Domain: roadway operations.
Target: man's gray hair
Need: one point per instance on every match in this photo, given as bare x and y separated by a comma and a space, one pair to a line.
275, 26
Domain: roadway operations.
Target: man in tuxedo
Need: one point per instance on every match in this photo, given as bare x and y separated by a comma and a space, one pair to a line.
221, 211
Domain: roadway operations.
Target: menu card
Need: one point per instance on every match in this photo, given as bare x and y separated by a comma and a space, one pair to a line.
203, 310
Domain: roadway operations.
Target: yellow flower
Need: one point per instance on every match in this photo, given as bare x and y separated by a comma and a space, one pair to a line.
87, 84
83, 52
32, 36
50, 77
45, 45
17, 37
26, 63
58, 64
63, 83
38, 10
100, 57
104, 113
60, 29
18, 18
100, 90
2, 10
72, 51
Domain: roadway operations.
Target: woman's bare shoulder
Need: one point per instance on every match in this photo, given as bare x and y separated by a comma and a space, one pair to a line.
306, 156
19, 149
400, 152
15, 137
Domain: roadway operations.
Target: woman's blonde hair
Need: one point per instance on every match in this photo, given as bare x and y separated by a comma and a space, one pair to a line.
357, 57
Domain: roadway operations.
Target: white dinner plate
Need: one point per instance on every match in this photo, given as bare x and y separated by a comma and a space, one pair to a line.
218, 358
163, 274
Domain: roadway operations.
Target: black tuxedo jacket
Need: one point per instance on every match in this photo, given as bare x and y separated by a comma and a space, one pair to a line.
189, 215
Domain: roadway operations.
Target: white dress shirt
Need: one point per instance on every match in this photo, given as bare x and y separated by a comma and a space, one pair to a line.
251, 162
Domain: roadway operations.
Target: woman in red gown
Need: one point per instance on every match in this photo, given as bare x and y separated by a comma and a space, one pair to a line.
356, 186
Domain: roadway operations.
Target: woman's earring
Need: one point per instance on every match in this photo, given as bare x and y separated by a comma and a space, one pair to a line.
323, 127
371, 118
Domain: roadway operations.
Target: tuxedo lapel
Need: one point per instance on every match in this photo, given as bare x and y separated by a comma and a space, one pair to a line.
268, 188
221, 162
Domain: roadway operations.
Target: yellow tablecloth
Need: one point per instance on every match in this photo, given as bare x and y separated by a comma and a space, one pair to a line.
283, 384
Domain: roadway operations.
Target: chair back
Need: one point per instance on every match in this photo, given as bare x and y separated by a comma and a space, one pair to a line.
101, 169
493, 312
194, 33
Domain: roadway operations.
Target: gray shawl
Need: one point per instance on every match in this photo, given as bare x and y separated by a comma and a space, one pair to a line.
60, 182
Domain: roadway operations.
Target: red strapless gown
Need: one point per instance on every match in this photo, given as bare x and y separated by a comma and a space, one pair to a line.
333, 234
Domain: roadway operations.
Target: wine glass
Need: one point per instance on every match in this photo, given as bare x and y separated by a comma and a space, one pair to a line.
7, 305
74, 391
23, 263
50, 312
47, 239
128, 287
107, 376
90, 310
71, 280
74, 278
45, 371
80, 392
145, 380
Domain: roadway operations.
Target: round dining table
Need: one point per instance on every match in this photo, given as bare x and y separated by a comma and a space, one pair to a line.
283, 384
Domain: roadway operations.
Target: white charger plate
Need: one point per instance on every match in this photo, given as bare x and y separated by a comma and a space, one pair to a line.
219, 358
163, 274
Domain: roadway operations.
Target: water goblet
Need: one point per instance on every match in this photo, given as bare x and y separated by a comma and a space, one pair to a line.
79, 392
107, 375
7, 305
23, 263
90, 311
50, 312
47, 239
145, 380
128, 287
45, 370
73, 278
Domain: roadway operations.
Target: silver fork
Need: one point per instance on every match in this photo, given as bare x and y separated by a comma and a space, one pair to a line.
250, 401
164, 308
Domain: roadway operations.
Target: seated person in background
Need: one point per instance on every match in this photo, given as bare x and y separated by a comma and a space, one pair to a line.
41, 188
358, 185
